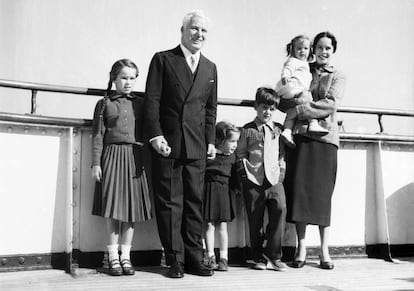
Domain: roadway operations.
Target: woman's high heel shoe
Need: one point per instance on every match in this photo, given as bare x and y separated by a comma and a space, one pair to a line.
326, 265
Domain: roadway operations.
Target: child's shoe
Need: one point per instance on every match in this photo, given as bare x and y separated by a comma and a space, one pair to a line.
276, 265
115, 268
222, 265
287, 137
127, 267
259, 264
315, 128
210, 262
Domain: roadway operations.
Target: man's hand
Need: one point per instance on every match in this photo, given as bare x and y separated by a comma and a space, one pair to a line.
211, 151
97, 173
161, 146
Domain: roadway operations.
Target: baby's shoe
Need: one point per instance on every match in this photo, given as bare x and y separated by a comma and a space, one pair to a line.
287, 137
315, 128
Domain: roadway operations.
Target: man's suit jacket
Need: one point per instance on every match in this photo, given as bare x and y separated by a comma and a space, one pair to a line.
180, 107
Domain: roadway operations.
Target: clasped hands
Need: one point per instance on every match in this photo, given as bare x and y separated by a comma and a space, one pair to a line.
160, 145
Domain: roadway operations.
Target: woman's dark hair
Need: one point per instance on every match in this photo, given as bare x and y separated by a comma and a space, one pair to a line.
325, 34
224, 130
291, 46
116, 68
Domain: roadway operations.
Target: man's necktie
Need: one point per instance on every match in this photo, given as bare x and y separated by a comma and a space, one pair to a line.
193, 64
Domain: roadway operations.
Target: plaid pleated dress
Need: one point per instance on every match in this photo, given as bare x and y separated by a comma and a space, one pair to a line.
123, 193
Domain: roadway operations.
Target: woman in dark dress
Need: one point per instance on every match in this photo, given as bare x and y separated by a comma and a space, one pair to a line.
312, 164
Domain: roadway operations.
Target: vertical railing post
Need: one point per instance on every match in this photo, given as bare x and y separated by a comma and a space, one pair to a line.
380, 123
34, 105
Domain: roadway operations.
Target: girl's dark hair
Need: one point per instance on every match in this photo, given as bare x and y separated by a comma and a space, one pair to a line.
116, 68
291, 46
325, 34
267, 96
224, 130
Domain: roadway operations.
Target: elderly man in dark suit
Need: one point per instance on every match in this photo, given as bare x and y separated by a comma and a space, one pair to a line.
180, 115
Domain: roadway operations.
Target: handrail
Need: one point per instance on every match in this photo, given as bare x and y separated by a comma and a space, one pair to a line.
35, 87
83, 123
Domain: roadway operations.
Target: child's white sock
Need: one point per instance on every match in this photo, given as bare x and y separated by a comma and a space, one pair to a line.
125, 252
112, 252
224, 254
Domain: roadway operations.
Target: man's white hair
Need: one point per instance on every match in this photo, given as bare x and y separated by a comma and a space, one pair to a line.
195, 13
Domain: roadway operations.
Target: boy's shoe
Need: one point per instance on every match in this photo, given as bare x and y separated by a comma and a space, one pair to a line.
210, 262
276, 265
288, 139
315, 128
222, 265
259, 264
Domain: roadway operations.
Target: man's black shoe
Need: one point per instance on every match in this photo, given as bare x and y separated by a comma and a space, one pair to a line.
176, 270
199, 270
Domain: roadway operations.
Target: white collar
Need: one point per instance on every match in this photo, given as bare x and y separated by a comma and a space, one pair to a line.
188, 54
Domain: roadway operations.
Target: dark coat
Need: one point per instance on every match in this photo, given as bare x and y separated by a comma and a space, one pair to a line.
179, 106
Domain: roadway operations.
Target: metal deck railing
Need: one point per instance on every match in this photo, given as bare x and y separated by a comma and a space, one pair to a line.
37, 87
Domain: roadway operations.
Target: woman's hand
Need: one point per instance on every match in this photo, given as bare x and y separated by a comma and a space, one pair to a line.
303, 97
97, 173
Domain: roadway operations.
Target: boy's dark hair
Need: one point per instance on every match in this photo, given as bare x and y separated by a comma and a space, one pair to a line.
268, 96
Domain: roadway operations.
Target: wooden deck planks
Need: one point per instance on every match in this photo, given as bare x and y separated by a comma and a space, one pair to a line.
349, 274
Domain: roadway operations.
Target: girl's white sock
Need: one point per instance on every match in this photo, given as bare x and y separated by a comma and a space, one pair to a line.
224, 254
125, 252
112, 252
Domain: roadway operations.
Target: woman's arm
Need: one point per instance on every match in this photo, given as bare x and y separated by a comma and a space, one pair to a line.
335, 85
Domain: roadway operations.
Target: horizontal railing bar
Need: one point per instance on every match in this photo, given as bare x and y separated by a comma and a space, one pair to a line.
365, 137
46, 120
237, 102
221, 101
376, 111
55, 88
73, 122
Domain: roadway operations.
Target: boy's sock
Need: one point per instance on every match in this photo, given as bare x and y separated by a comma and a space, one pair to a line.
112, 252
125, 252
